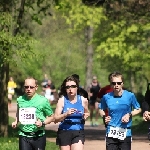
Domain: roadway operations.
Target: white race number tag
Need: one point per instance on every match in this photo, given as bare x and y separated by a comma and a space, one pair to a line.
116, 132
27, 115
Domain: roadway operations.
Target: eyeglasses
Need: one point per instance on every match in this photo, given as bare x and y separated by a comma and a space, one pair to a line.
114, 83
71, 86
31, 87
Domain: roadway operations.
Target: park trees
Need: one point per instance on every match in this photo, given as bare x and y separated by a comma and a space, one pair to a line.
83, 17
14, 45
116, 34
11, 45
119, 30
125, 40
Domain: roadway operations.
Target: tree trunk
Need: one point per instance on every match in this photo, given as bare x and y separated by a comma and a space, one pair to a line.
132, 81
90, 51
19, 18
3, 100
140, 84
4, 75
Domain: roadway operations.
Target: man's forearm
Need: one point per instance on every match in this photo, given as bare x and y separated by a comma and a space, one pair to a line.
49, 119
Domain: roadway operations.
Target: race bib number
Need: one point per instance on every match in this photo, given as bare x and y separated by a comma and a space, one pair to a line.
27, 115
116, 132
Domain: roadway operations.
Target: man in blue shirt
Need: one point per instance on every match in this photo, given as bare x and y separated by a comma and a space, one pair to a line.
121, 105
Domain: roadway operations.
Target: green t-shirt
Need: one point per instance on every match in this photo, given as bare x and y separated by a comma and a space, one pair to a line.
43, 109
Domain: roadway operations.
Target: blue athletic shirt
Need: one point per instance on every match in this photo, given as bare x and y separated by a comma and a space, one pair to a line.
74, 121
118, 107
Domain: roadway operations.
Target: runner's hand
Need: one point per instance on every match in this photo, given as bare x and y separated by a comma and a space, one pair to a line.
125, 118
107, 119
71, 111
38, 123
146, 116
86, 115
14, 124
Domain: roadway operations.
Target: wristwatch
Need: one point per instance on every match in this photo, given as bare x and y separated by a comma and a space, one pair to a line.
130, 115
43, 124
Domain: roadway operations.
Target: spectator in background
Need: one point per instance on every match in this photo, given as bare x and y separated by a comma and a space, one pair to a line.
82, 92
104, 91
43, 84
49, 91
93, 104
11, 90
45, 80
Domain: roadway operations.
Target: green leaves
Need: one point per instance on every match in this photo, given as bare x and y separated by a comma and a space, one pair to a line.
36, 18
79, 15
12, 46
127, 41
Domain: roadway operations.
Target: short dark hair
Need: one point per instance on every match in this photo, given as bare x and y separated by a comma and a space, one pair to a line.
76, 76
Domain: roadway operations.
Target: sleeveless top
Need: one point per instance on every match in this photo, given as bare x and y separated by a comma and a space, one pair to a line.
74, 121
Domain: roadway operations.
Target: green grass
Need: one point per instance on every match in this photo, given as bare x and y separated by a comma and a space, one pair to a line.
11, 142
139, 126
51, 145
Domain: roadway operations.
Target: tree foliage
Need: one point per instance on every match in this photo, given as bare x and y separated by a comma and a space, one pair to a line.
78, 15
125, 37
35, 39
13, 45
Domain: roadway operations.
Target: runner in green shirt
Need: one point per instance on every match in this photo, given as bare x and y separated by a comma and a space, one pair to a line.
33, 113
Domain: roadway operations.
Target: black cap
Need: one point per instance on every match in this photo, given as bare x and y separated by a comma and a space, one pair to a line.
76, 76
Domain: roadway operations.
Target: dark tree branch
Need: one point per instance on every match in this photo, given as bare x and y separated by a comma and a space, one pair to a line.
20, 16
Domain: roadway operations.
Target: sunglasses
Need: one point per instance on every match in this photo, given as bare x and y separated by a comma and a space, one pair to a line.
31, 87
114, 83
71, 86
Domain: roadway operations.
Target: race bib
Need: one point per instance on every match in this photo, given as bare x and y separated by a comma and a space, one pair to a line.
27, 115
116, 132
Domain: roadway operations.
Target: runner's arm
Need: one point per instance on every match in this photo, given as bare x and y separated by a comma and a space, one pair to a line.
127, 116
59, 107
49, 119
136, 111
86, 110
101, 112
14, 124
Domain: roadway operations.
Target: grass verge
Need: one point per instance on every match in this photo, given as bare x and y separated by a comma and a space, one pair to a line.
11, 142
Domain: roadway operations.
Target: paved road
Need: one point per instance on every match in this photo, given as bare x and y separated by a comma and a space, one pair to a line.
95, 136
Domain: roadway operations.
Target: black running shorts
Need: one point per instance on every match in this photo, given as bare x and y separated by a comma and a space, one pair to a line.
69, 137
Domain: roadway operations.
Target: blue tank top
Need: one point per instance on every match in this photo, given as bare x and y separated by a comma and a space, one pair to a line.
74, 121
